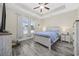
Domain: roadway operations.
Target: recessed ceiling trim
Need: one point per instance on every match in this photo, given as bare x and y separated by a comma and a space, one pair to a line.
59, 9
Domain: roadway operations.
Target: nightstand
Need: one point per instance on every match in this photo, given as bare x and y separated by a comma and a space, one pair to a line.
65, 37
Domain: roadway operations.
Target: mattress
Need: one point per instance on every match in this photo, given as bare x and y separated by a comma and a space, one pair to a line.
52, 35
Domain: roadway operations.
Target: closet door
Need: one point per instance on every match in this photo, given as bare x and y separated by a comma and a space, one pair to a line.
76, 38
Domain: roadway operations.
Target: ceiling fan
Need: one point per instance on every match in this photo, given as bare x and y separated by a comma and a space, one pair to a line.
42, 6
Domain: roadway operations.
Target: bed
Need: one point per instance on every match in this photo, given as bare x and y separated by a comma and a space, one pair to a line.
48, 37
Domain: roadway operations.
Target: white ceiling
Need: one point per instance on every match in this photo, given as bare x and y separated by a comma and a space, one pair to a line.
55, 8
30, 6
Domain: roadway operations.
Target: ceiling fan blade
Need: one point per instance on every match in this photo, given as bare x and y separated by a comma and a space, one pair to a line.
47, 8
36, 7
45, 3
40, 3
40, 10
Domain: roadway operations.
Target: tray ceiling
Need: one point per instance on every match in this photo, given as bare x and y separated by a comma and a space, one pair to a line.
30, 6
54, 8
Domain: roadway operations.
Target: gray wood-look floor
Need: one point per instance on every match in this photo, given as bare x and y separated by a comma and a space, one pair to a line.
27, 48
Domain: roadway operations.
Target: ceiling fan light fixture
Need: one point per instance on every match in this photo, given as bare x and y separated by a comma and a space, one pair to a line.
41, 7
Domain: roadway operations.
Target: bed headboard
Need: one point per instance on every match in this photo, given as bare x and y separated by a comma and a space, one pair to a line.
54, 28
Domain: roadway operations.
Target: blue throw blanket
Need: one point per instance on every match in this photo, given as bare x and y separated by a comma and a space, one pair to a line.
52, 35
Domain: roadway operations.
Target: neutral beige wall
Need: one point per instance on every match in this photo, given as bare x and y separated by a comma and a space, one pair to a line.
11, 21
78, 14
64, 20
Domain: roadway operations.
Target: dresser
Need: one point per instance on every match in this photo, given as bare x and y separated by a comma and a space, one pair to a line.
5, 44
